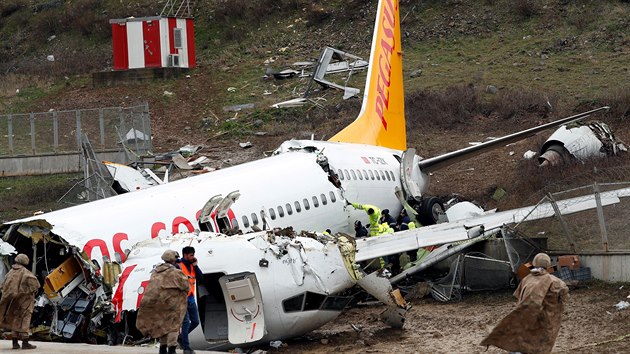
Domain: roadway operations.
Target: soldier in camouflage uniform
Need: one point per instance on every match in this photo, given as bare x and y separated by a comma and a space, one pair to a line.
164, 303
18, 300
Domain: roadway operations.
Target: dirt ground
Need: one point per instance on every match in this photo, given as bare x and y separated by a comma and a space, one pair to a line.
591, 324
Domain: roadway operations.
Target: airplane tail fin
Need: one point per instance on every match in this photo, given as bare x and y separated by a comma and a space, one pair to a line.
381, 121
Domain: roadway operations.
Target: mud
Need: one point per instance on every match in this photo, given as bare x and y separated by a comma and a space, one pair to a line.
591, 324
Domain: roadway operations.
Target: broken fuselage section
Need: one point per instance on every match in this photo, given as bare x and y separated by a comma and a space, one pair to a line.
580, 141
256, 287
74, 301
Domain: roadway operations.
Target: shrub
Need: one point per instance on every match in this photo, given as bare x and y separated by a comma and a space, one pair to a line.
455, 105
524, 8
509, 103
8, 7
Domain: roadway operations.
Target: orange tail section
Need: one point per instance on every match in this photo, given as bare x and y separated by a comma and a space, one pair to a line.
381, 121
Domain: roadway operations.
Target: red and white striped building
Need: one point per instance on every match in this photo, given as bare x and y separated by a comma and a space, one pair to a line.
153, 42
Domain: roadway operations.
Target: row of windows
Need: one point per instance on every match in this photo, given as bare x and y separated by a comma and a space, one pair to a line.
366, 174
297, 207
310, 301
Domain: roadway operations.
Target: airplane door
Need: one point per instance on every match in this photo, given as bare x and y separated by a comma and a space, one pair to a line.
223, 216
205, 216
243, 300
409, 174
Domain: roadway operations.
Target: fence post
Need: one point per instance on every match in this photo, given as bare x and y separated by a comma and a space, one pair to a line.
563, 223
55, 132
78, 130
10, 132
146, 144
600, 216
31, 118
101, 123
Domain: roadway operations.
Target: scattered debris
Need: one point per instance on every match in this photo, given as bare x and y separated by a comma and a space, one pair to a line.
416, 73
335, 61
491, 89
529, 154
238, 107
245, 145
50, 58
168, 93
189, 150
135, 135
275, 344
231, 89
281, 74
622, 305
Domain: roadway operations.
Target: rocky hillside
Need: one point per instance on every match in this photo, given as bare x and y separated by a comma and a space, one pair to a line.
480, 68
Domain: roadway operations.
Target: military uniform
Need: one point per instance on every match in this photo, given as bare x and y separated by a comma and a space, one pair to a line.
164, 303
18, 300
532, 327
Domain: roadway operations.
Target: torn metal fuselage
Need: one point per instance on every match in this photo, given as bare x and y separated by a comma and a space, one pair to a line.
580, 141
74, 304
256, 287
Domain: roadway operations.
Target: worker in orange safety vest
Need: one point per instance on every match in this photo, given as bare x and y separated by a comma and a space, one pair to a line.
188, 265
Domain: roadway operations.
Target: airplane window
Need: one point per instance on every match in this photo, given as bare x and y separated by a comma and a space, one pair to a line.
324, 200
289, 209
293, 304
315, 202
332, 197
298, 207
360, 175
340, 174
307, 206
254, 219
382, 175
354, 176
377, 176
272, 213
387, 175
234, 223
336, 303
365, 174
245, 221
313, 301
371, 174
280, 211
393, 175
347, 174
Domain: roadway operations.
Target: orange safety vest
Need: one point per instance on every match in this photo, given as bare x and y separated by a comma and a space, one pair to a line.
191, 278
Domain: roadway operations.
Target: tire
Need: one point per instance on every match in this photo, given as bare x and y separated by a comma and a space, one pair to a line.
428, 211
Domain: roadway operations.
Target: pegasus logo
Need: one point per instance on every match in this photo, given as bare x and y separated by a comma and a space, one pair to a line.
384, 61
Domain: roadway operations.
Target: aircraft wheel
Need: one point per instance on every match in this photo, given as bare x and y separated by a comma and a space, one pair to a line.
429, 209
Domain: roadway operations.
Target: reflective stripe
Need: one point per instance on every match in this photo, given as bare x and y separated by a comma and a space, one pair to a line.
191, 278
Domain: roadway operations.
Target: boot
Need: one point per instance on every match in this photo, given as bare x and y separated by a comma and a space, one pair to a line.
27, 345
16, 344
171, 350
162, 349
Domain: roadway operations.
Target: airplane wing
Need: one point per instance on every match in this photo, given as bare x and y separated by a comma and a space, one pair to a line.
372, 247
437, 162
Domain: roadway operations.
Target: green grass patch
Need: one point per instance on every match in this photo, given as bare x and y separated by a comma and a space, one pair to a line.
24, 195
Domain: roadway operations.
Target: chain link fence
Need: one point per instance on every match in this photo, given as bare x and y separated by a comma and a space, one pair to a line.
601, 228
59, 132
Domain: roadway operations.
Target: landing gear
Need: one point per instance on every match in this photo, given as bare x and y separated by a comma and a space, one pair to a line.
429, 210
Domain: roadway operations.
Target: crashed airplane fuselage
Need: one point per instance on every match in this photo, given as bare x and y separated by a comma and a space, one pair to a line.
256, 287
305, 184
